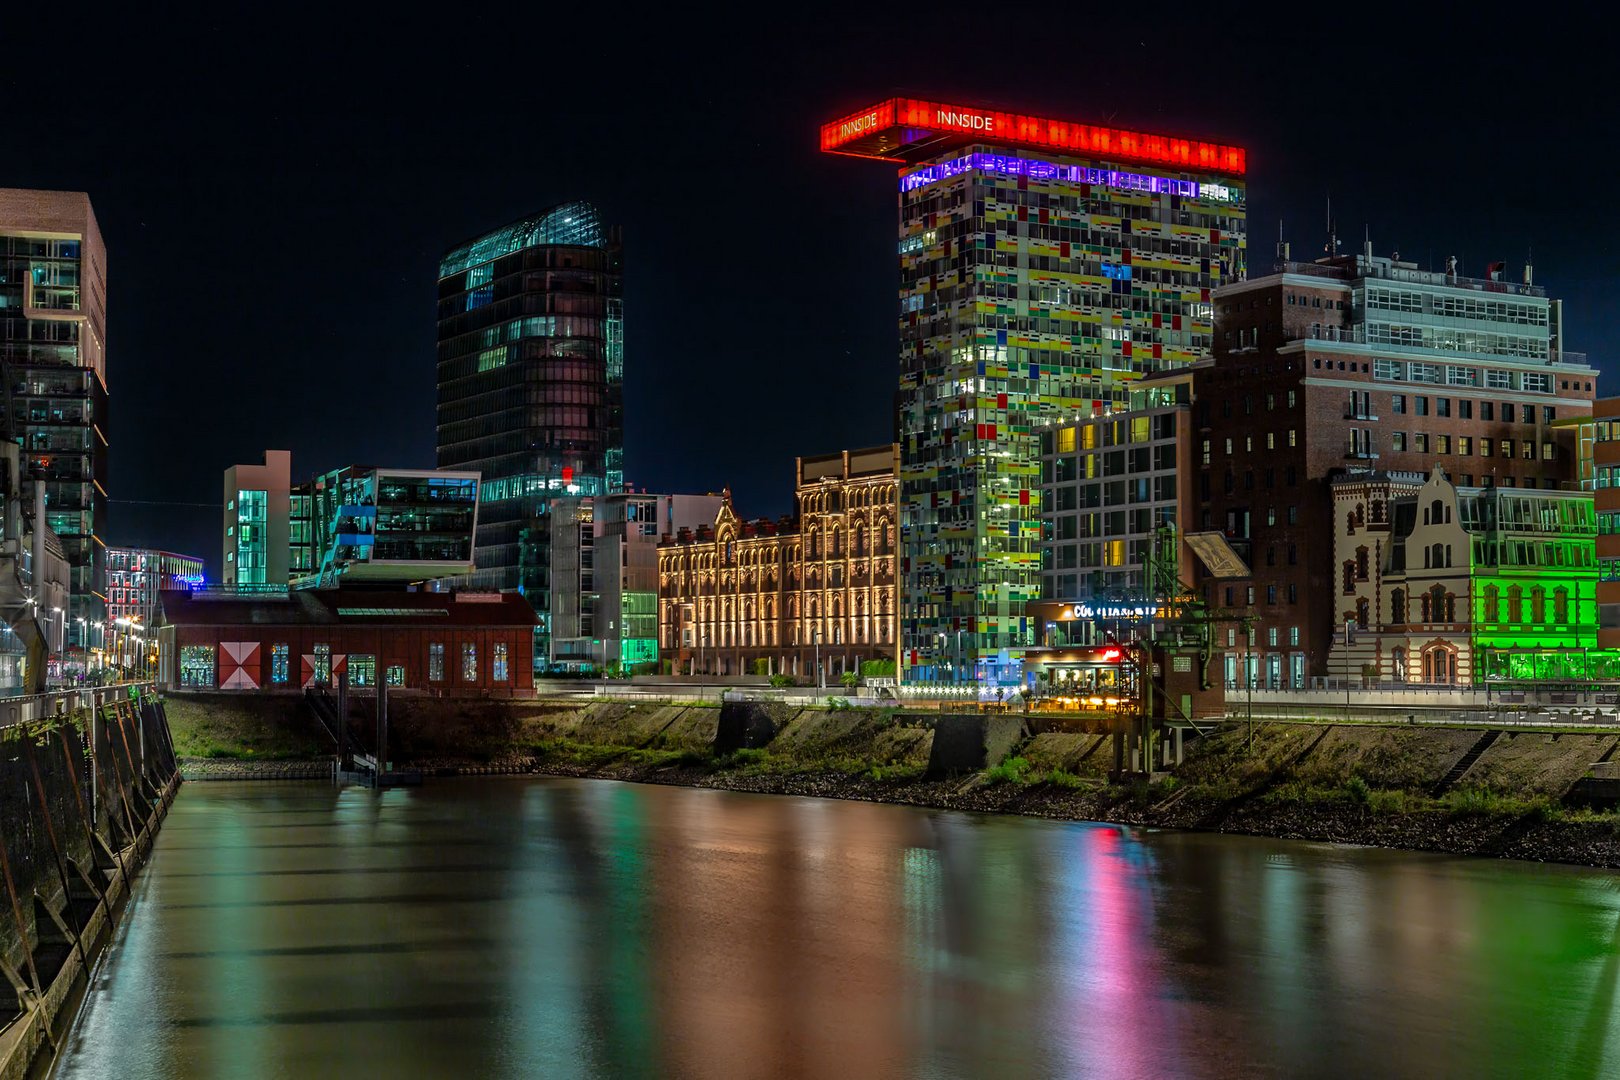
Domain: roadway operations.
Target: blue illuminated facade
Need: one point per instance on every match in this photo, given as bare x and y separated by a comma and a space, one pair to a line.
1029, 168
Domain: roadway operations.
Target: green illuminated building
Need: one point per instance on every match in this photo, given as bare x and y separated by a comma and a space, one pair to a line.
1448, 585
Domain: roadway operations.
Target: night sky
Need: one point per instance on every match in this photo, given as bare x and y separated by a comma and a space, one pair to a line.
275, 195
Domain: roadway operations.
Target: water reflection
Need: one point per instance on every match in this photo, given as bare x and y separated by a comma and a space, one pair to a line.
558, 928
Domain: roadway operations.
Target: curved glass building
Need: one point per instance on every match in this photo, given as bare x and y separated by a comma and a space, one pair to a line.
531, 379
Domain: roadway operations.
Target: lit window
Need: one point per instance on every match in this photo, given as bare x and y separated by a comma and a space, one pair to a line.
469, 662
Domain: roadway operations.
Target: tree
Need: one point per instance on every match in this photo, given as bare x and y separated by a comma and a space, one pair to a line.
850, 679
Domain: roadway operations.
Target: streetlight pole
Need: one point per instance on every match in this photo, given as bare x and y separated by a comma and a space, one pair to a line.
821, 683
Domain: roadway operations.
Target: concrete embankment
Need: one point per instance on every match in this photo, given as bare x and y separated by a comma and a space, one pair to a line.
84, 785
1448, 789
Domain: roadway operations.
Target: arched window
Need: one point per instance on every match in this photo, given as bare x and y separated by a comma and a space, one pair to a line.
1361, 563
1493, 605
1437, 556
1561, 605
1437, 512
1425, 608
815, 544
1349, 578
1398, 664
1437, 604
1363, 613
1378, 510
1397, 606
1515, 605
1538, 605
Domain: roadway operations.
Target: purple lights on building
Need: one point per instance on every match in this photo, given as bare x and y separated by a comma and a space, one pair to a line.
1075, 174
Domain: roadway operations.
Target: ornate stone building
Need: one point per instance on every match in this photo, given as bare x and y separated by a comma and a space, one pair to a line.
771, 596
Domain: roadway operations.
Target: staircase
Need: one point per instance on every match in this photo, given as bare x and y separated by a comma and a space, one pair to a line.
1464, 763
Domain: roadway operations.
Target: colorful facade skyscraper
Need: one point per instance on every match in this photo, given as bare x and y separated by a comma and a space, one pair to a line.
531, 377
1045, 266
53, 347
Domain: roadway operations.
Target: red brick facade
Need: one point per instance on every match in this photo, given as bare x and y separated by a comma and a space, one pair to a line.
1284, 408
394, 629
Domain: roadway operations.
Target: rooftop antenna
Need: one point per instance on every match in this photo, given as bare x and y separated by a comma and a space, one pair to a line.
1529, 265
1333, 236
1366, 243
1282, 245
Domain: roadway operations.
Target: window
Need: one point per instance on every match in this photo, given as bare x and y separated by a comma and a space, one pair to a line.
1271, 636
1421, 405
1465, 409
1293, 635
1507, 412
1398, 441
469, 662
1421, 442
362, 669
436, 661
396, 674
1465, 445
1398, 404
497, 663
1486, 411
323, 664
1443, 444
1442, 406
197, 666
280, 662
1293, 439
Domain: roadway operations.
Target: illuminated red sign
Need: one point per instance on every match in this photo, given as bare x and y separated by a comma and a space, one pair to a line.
568, 474
909, 129
1111, 655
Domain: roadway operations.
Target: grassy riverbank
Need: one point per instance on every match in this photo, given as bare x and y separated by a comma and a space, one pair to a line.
1362, 784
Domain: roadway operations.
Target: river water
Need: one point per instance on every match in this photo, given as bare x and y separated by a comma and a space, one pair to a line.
545, 927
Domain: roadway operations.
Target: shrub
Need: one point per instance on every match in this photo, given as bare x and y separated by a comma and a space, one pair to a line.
1358, 790
783, 680
760, 666
1010, 771
1064, 779
849, 679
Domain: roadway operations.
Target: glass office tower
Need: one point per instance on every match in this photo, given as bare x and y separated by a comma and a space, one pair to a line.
53, 347
531, 378
1045, 266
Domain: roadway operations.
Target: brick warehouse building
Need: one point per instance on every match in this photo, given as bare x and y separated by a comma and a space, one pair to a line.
1349, 365
467, 644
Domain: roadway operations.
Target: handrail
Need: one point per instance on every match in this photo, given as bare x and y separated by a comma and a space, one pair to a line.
26, 709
